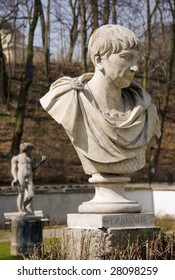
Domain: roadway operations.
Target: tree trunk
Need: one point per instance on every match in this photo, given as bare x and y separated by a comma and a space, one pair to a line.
45, 28
106, 12
94, 11
47, 45
83, 35
26, 82
147, 46
74, 29
148, 42
3, 78
114, 14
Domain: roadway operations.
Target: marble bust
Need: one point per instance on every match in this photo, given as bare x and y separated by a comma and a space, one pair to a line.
108, 117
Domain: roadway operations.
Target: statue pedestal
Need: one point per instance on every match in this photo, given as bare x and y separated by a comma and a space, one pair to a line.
106, 223
109, 196
101, 236
26, 234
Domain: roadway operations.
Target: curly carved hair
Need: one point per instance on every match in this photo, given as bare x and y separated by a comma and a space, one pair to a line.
111, 38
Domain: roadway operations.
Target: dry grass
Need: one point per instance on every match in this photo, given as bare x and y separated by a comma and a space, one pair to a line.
166, 222
161, 248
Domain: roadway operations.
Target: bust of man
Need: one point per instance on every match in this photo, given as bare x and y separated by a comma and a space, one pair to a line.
108, 117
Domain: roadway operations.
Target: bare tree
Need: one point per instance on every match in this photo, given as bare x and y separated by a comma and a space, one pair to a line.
47, 45
83, 35
75, 8
26, 82
168, 69
4, 93
114, 13
106, 12
148, 41
94, 13
45, 27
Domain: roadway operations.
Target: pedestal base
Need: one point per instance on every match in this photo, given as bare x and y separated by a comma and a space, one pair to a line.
100, 236
107, 244
26, 235
107, 223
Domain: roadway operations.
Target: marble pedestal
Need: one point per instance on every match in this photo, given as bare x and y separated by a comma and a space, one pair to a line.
106, 222
26, 234
109, 196
99, 236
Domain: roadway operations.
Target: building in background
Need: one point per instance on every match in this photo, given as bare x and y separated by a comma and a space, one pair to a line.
14, 46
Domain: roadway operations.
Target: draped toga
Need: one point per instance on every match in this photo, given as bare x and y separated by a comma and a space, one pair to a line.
106, 142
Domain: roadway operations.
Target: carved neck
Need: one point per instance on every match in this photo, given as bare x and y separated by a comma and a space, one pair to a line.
106, 95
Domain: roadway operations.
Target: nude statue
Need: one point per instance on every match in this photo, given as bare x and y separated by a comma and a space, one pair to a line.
23, 166
108, 117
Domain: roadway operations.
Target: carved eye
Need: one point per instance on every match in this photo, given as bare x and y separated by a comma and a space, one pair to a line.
126, 56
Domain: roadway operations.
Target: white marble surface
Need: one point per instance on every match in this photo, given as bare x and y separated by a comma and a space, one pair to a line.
109, 118
23, 166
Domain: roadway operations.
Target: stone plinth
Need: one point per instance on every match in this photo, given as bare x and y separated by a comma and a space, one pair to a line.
26, 234
101, 244
107, 222
115, 221
100, 236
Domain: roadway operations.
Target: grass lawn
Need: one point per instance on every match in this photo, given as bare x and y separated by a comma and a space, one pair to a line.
5, 252
50, 246
50, 243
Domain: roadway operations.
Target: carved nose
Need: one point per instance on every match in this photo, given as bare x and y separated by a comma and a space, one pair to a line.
134, 68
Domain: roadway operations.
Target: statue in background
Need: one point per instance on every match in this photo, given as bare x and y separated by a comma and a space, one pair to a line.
108, 117
22, 168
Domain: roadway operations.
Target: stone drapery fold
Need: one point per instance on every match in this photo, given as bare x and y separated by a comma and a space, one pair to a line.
93, 135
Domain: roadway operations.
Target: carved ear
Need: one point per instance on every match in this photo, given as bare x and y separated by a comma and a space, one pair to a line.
98, 62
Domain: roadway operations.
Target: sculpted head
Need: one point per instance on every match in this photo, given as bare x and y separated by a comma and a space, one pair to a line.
26, 147
109, 39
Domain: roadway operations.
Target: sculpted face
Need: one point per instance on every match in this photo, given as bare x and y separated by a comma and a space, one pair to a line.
120, 68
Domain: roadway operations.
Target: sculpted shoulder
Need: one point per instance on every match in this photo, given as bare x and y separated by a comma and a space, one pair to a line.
22, 159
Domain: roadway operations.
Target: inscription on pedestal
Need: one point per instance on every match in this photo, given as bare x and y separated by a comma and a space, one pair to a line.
130, 220
126, 220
